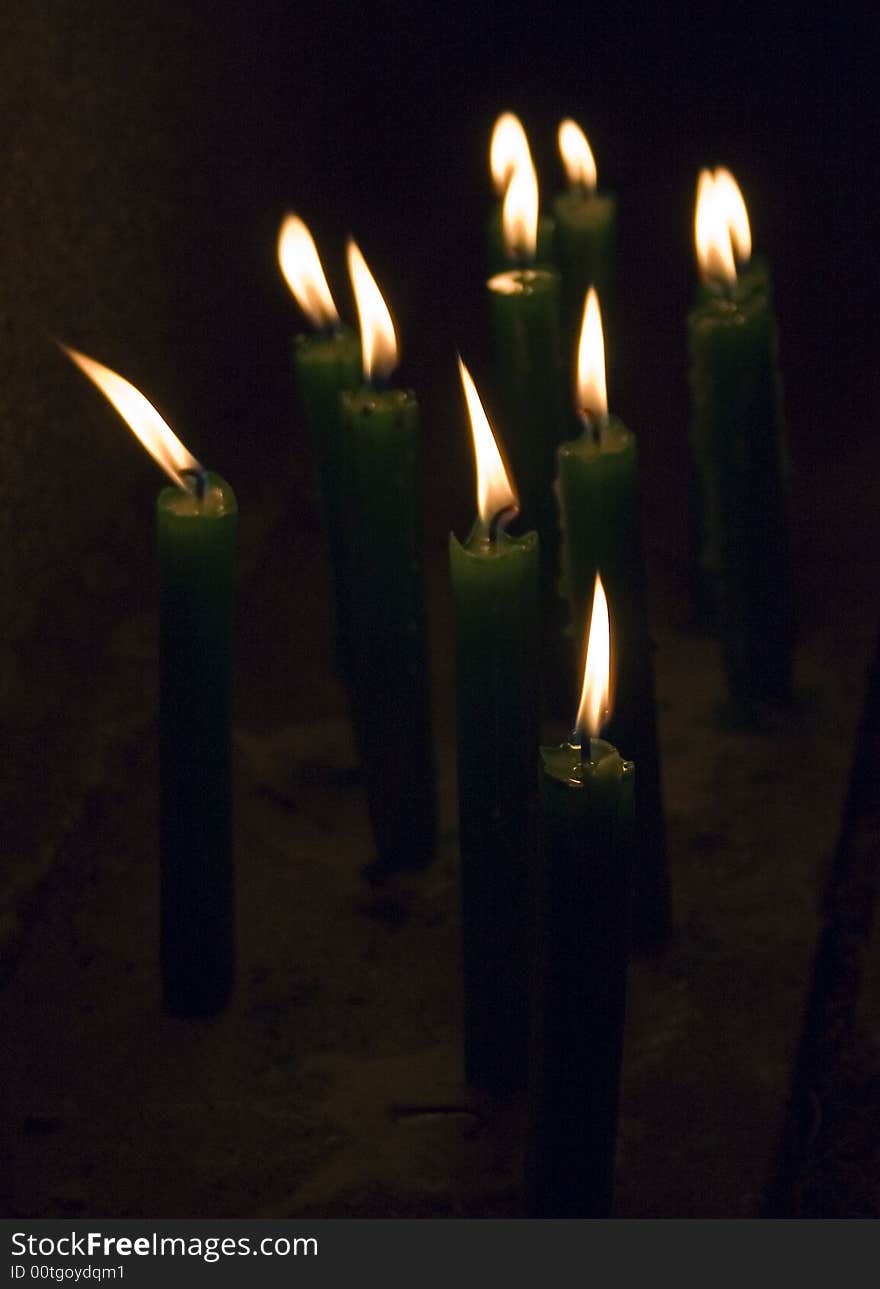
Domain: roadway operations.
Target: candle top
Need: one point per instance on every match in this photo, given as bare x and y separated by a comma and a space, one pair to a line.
496, 498
378, 337
722, 233
509, 148
604, 768
522, 281
217, 500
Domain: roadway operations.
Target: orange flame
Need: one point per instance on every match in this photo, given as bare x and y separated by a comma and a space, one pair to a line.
301, 266
721, 226
495, 495
378, 338
140, 415
508, 150
595, 693
592, 396
519, 214
577, 155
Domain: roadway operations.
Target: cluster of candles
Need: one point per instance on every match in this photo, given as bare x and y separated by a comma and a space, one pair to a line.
560, 856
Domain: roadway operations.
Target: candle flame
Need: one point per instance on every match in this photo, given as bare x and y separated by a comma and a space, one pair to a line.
508, 150
577, 155
301, 266
495, 495
519, 214
592, 396
140, 415
721, 226
378, 338
595, 693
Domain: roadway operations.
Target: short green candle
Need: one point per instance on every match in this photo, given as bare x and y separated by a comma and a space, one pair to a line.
196, 523
390, 690
585, 235
741, 467
196, 539
495, 597
582, 910
326, 363
598, 495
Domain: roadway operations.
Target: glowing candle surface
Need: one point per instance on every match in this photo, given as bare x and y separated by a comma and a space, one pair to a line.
739, 453
598, 496
495, 597
196, 520
581, 956
326, 362
509, 154
389, 663
585, 233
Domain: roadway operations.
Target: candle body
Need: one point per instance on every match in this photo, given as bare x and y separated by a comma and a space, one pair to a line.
495, 595
584, 249
739, 457
580, 975
325, 366
390, 690
526, 339
497, 255
196, 561
601, 533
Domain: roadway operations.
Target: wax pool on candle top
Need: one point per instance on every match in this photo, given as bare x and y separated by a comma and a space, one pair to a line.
495, 597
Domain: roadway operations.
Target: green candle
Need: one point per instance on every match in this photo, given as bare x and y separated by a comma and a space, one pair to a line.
326, 363
598, 497
495, 596
525, 327
196, 536
390, 680
740, 460
581, 958
585, 236
508, 150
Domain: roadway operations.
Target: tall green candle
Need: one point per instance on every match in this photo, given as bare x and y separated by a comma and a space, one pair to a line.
585, 234
508, 150
740, 461
495, 596
390, 680
525, 328
326, 362
582, 908
196, 521
601, 530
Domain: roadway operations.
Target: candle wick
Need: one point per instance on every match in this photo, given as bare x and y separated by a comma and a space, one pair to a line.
594, 424
500, 521
581, 739
198, 476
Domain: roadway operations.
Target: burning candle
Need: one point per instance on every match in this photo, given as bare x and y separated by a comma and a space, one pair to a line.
601, 529
739, 454
196, 531
326, 362
525, 324
495, 595
390, 682
581, 955
508, 152
585, 234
